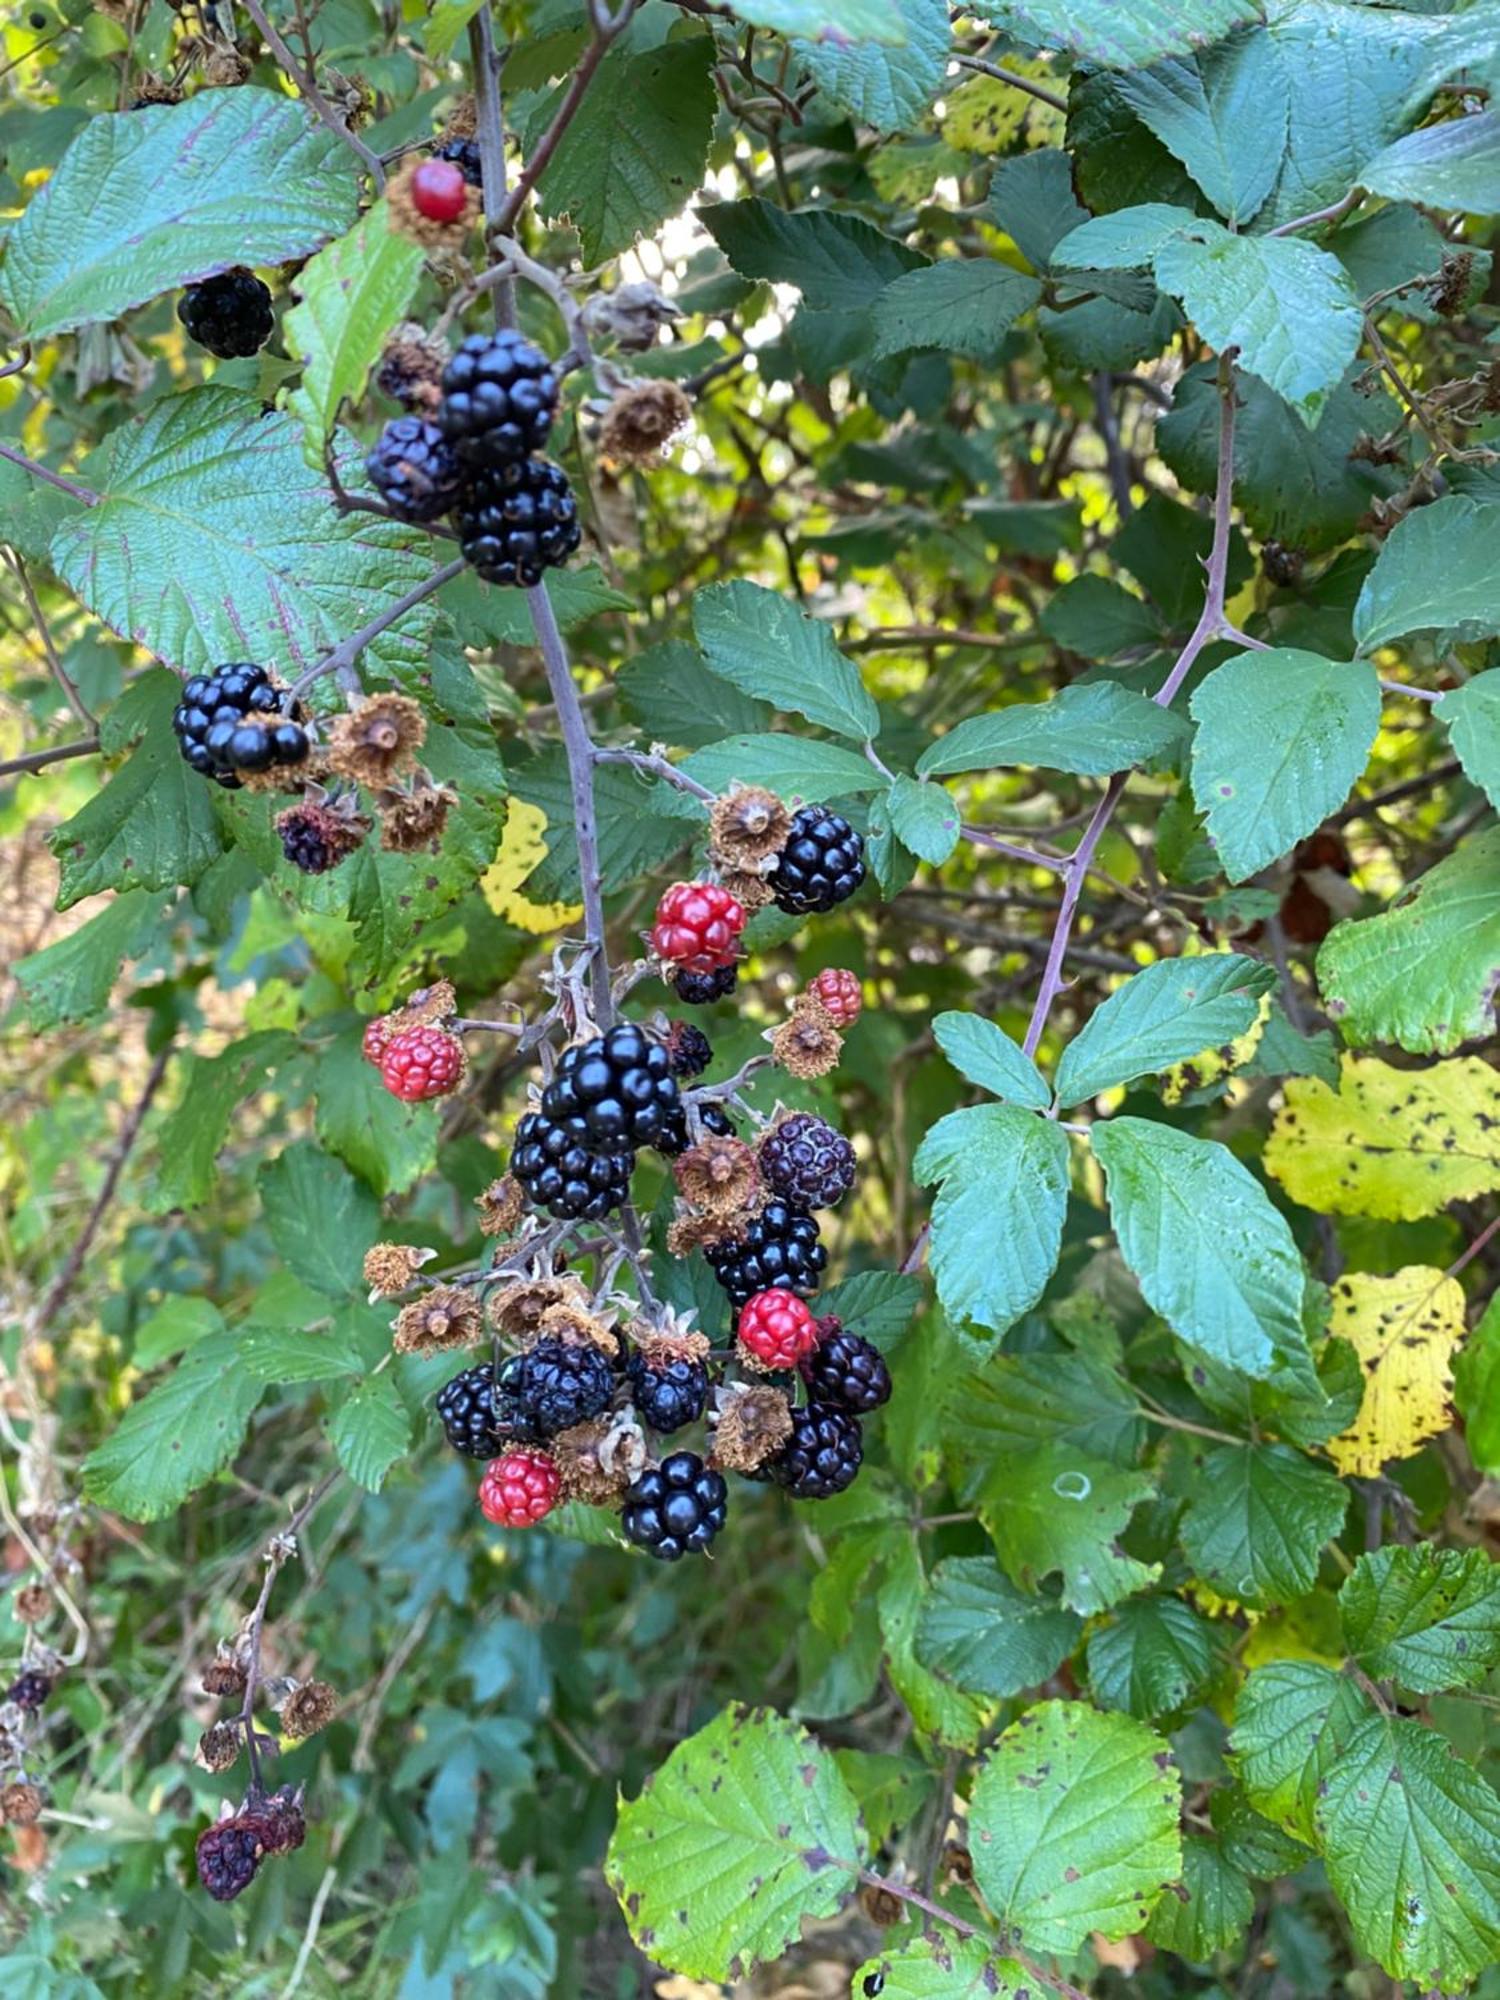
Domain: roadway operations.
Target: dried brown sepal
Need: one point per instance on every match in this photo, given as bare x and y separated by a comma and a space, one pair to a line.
569, 1321
157, 90
407, 220
411, 368
807, 1044
880, 1906
674, 1341
595, 1463
390, 1268
463, 119
516, 1309
411, 822
32, 1603
747, 828
642, 421
224, 1676
20, 1804
378, 741
631, 315
751, 891
428, 1007
446, 1318
307, 1709
502, 1207
752, 1425
719, 1175
219, 1746
691, 1229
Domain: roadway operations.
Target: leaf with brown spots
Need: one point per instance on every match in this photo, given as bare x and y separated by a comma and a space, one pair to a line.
1404, 1329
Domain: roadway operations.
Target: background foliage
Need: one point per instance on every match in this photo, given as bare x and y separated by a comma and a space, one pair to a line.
1089, 460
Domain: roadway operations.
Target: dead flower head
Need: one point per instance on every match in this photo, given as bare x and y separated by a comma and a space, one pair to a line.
751, 1425
377, 741
502, 1207
411, 822
568, 1320
219, 1746
307, 1709
446, 1318
642, 420
411, 368
719, 1175
516, 1309
390, 1268
807, 1044
20, 1805
597, 1460
747, 829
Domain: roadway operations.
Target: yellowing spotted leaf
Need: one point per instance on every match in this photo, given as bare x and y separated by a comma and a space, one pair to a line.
1211, 1065
1397, 1144
985, 115
521, 848
1404, 1330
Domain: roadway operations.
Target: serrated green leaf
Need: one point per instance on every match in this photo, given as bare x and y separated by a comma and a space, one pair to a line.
1058, 1511
1153, 1657
1257, 1518
963, 305
146, 200
369, 1431
286, 1354
71, 980
1223, 114
986, 1055
839, 263
642, 822
1073, 1826
176, 1437
761, 643
1093, 728
1471, 715
1114, 37
835, 21
1427, 1618
942, 1966
1163, 1014
351, 297
178, 1323
1017, 1402
794, 767
877, 1305
979, 1631
1209, 1910
1211, 1254
192, 1134
940, 1710
756, 1815
1435, 573
1001, 1173
389, 1144
322, 1220
1293, 1722
888, 88
924, 819
1455, 164
1125, 239
670, 692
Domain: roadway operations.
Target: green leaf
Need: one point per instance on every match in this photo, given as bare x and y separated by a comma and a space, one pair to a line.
924, 819
1282, 736
642, 822
963, 305
1003, 1176
938, 1709
1017, 1402
839, 263
193, 1133
1163, 1014
1424, 1617
834, 21
639, 155
370, 1431
876, 1304
1476, 1389
889, 1790
1093, 728
179, 1322
1056, 1510
1209, 1910
152, 825
941, 1966
388, 1143
72, 979
144, 201
1435, 573
986, 1055
674, 697
1422, 974
1293, 1722
794, 767
351, 297
1126, 239
761, 643
1288, 307
754, 1813
1471, 715
1452, 165
890, 89
1211, 1254
215, 541
286, 1354
486, 610
1099, 619
1153, 1657
322, 1220
177, 1437
1223, 114
986, 1636
1257, 1518
1073, 1826
1115, 37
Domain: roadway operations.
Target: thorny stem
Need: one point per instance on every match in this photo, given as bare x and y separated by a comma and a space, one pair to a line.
652, 766
1335, 212
44, 633
1017, 82
38, 760
307, 84
340, 662
280, 1549
605, 30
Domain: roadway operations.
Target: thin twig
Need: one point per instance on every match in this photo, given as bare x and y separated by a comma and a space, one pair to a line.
567, 111
652, 766
59, 672
38, 760
71, 487
1016, 82
1335, 212
341, 660
307, 84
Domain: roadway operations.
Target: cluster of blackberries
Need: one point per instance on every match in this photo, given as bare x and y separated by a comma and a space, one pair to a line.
575, 1154
230, 1852
479, 460
234, 719
229, 314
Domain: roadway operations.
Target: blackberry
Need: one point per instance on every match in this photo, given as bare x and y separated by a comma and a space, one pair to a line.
804, 1160
466, 1409
689, 1051
779, 1250
675, 1508
518, 522
560, 1169
229, 314
557, 1384
414, 469
228, 1856
699, 989
619, 1084
667, 1394
464, 153
231, 720
822, 1455
822, 863
29, 1689
499, 395
303, 844
674, 1139
846, 1371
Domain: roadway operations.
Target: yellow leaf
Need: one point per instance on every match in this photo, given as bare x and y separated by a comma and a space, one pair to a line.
985, 114
1404, 1330
1393, 1143
523, 845
1213, 1064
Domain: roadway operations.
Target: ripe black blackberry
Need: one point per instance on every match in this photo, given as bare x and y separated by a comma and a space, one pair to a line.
557, 1384
29, 1689
689, 1051
845, 1371
675, 1138
619, 1084
822, 863
516, 522
807, 1162
780, 1248
701, 989
466, 1408
499, 395
232, 720
675, 1508
229, 314
464, 153
414, 469
560, 1170
822, 1455
228, 1856
667, 1394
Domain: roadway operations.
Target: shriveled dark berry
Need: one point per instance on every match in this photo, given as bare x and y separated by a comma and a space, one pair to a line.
414, 469
29, 1689
689, 1051
701, 989
557, 1384
229, 314
228, 1856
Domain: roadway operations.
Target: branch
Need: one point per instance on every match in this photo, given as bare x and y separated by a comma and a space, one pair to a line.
1032, 89
605, 31
59, 672
1335, 212
929, 1908
306, 83
340, 661
38, 760
280, 1549
70, 487
652, 766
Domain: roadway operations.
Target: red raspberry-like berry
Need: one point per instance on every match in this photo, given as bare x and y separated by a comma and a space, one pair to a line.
840, 994
439, 191
697, 926
420, 1063
519, 1489
377, 1039
777, 1329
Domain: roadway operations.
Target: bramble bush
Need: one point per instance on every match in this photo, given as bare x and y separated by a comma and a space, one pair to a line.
749, 761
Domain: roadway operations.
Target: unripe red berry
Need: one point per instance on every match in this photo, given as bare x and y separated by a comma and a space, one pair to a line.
420, 1063
777, 1329
519, 1489
439, 191
697, 926
839, 992
377, 1039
